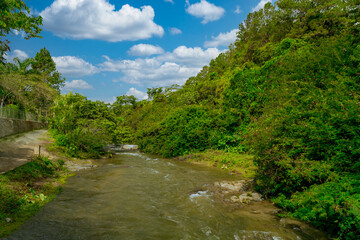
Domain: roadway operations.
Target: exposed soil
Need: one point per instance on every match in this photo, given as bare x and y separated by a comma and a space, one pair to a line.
19, 149
16, 150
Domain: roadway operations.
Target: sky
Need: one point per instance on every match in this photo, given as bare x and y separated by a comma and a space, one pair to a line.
108, 48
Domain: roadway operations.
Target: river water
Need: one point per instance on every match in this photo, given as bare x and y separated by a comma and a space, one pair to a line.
138, 196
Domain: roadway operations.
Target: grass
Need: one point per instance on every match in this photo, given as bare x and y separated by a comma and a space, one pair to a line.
241, 164
24, 190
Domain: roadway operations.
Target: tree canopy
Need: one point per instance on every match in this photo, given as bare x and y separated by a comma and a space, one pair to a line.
15, 16
45, 65
32, 84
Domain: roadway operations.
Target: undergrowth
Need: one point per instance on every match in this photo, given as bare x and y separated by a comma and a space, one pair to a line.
24, 190
233, 162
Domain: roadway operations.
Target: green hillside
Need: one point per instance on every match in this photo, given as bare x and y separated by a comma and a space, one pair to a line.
287, 92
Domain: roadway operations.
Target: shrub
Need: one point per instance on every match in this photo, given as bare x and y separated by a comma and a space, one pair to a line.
333, 206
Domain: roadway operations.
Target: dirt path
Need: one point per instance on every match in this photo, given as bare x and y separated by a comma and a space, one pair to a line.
18, 149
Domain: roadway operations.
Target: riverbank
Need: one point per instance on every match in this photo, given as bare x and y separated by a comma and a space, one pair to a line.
332, 206
235, 163
31, 181
16, 150
25, 189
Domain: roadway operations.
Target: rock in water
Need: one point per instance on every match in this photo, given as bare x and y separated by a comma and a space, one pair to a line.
129, 147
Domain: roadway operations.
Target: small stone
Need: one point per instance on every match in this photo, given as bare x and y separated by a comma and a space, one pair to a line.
235, 199
8, 220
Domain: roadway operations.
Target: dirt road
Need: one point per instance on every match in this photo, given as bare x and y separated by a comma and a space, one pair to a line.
18, 149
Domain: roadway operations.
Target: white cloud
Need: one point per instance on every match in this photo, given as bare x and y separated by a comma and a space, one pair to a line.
223, 39
145, 50
205, 10
77, 84
137, 93
107, 100
195, 57
260, 5
74, 67
238, 10
98, 19
150, 72
175, 31
170, 1
16, 54
169, 68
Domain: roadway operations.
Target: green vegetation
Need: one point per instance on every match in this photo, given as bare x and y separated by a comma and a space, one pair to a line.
24, 190
287, 93
285, 96
15, 15
28, 86
82, 128
31, 84
233, 162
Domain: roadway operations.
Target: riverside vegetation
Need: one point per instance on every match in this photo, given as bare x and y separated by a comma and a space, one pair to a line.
282, 104
26, 189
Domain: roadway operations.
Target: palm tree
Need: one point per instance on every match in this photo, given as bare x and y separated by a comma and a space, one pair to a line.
23, 67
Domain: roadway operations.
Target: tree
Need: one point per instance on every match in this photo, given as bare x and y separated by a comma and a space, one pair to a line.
15, 15
45, 65
123, 102
27, 90
43, 62
152, 92
23, 66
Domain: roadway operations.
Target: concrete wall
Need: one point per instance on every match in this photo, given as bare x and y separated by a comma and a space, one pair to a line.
10, 126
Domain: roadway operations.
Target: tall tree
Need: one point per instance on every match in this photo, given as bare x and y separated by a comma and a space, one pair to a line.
45, 65
43, 62
15, 15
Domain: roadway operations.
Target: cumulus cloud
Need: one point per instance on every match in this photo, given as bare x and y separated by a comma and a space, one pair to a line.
137, 93
16, 54
223, 39
260, 5
175, 31
196, 57
169, 68
150, 72
74, 67
145, 50
97, 19
205, 10
163, 70
77, 84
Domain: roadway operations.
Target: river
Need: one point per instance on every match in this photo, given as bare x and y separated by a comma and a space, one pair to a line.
138, 196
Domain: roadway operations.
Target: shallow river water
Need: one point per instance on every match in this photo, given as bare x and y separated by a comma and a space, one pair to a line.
138, 196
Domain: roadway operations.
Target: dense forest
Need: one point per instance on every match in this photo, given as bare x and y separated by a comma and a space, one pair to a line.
286, 92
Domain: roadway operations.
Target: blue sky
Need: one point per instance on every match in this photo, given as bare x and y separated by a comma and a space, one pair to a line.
108, 48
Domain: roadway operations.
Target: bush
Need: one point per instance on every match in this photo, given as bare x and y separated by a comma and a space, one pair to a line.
333, 206
184, 130
40, 167
83, 128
